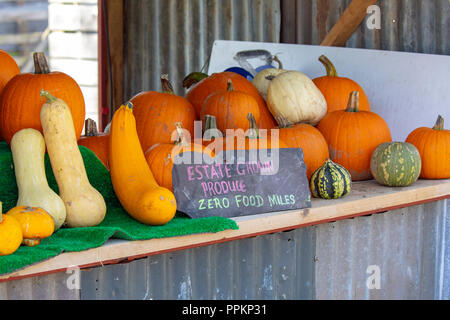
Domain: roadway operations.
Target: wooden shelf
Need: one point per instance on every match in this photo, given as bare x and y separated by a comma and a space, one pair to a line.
366, 198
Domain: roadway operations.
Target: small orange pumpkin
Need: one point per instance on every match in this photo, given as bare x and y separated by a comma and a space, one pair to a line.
352, 136
95, 141
230, 107
36, 223
21, 103
160, 157
10, 234
312, 142
156, 113
9, 68
336, 89
434, 149
201, 90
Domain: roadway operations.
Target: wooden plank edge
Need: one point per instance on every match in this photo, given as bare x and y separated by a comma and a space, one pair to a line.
284, 221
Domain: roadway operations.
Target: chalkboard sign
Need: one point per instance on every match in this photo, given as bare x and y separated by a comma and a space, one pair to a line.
242, 184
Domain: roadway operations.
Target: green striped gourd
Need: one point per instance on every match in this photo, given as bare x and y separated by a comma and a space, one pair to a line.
330, 181
396, 164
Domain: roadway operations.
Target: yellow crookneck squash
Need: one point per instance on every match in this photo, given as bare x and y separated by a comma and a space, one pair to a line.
132, 179
28, 151
85, 206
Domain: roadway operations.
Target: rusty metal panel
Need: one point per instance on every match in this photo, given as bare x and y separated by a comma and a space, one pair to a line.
406, 25
176, 37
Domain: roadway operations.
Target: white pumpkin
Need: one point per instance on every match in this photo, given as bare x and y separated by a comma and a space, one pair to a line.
293, 98
263, 78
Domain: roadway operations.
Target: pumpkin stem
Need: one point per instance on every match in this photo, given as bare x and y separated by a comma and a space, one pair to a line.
211, 130
439, 123
165, 84
48, 96
181, 139
40, 63
230, 86
283, 123
90, 128
331, 70
353, 102
280, 65
253, 131
193, 78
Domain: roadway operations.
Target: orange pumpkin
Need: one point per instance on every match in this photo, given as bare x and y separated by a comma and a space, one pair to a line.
198, 93
95, 141
161, 155
230, 108
352, 136
9, 68
336, 89
434, 148
21, 102
157, 112
312, 142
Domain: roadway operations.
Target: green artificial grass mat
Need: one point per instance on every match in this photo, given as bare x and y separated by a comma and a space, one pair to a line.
117, 223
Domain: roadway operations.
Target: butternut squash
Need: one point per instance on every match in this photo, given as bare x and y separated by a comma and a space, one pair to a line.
28, 151
132, 179
85, 206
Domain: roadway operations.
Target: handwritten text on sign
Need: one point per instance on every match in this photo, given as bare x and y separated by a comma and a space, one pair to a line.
242, 187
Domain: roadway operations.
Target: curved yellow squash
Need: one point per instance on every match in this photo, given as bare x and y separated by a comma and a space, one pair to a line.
132, 179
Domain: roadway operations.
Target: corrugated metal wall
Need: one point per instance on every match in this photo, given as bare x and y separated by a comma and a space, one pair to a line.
176, 37
410, 246
406, 25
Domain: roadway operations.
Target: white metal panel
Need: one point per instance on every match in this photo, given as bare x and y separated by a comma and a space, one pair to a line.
408, 90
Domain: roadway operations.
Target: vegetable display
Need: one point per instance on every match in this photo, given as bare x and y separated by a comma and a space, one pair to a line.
85, 206
157, 112
28, 150
395, 164
132, 179
293, 98
330, 181
434, 148
352, 136
20, 102
336, 89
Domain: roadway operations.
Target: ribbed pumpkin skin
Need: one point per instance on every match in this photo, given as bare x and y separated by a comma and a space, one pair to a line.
330, 181
9, 68
395, 164
98, 144
434, 148
156, 114
21, 103
160, 160
309, 138
230, 109
218, 81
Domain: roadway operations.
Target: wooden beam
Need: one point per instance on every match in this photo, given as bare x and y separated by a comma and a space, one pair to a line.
347, 23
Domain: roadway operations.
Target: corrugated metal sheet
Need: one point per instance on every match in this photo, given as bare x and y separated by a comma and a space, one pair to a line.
329, 261
176, 37
406, 25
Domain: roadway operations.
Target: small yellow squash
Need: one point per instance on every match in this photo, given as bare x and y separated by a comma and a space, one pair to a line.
10, 234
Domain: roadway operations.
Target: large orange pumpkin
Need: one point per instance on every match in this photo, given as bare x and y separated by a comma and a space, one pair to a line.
95, 141
21, 103
434, 148
157, 112
336, 89
352, 136
8, 68
160, 157
198, 93
230, 107
312, 142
